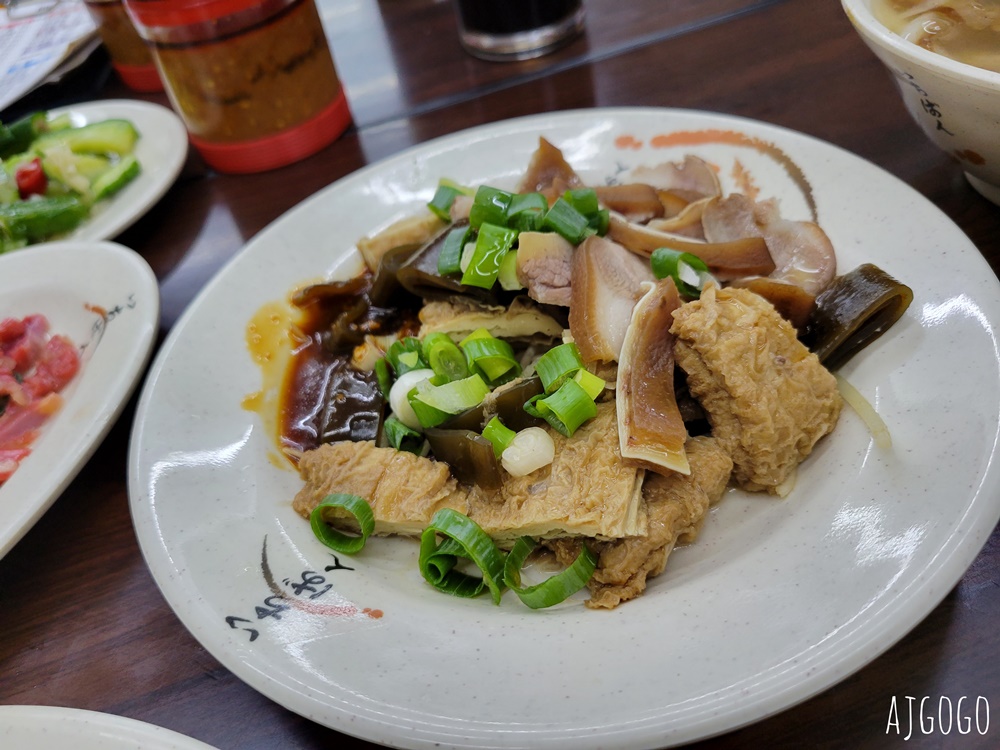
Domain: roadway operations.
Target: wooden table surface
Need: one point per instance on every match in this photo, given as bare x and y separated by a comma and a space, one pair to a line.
84, 624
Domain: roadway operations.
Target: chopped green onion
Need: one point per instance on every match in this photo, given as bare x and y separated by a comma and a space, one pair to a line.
507, 276
450, 259
336, 540
463, 538
558, 364
499, 434
444, 357
565, 220
440, 204
553, 590
492, 244
492, 357
689, 272
583, 200
383, 376
447, 398
600, 222
401, 437
566, 409
593, 385
490, 206
404, 355
427, 416
526, 212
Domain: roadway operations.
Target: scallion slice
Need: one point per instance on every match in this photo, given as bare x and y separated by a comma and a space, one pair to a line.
463, 538
450, 398
499, 434
383, 376
492, 357
583, 200
553, 590
593, 385
566, 409
401, 437
450, 259
336, 540
440, 204
565, 220
490, 206
558, 364
492, 243
526, 212
444, 357
507, 275
404, 355
689, 272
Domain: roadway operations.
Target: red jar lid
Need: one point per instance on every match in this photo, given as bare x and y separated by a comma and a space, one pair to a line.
165, 13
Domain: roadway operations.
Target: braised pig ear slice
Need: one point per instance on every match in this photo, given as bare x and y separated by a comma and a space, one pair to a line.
691, 179
687, 222
747, 256
803, 254
547, 165
651, 431
636, 201
606, 283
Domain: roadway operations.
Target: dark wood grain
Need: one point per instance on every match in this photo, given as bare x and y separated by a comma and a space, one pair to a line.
83, 622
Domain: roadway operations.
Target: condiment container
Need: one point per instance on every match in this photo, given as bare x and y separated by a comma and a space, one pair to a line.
130, 56
254, 81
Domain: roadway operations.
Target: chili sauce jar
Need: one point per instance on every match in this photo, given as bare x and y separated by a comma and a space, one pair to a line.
129, 54
253, 80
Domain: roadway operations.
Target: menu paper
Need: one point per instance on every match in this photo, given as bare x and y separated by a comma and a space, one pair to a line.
38, 48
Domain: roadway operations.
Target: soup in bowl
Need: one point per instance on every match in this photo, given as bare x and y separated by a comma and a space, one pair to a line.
955, 102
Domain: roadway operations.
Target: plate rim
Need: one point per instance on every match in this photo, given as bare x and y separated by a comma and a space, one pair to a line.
43, 716
145, 195
944, 576
141, 335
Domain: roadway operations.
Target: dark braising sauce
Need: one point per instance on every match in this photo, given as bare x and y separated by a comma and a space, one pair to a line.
325, 397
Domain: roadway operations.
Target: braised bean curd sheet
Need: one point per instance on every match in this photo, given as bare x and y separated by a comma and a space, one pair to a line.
571, 374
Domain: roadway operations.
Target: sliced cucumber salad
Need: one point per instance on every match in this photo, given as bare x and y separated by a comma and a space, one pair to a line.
52, 174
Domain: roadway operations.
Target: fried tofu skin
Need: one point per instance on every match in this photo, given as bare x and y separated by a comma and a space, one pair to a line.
676, 505
767, 397
405, 490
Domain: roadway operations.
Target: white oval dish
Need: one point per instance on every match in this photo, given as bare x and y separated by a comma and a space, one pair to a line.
71, 283
57, 728
161, 151
776, 601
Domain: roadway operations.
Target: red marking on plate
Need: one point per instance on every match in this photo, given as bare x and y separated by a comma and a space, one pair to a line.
627, 141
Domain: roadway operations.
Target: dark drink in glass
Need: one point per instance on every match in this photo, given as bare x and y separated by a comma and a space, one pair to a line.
517, 29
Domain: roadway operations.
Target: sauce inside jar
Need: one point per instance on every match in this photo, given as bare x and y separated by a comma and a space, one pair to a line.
234, 82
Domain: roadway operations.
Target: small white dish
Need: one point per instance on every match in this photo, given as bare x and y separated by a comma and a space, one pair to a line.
57, 728
161, 151
104, 297
778, 599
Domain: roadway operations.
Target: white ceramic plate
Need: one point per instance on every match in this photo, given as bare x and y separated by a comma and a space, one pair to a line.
105, 298
161, 151
778, 599
55, 728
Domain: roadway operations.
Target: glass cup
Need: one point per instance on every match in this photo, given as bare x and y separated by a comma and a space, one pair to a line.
130, 56
517, 29
253, 80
